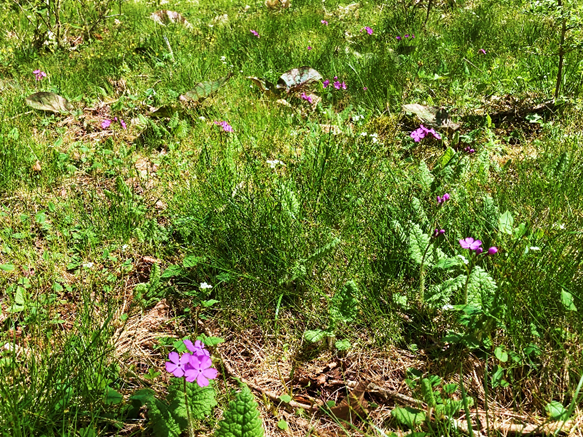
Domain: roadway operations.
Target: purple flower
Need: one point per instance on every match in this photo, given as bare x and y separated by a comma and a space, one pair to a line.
105, 124
399, 38
417, 135
38, 74
343, 85
254, 33
438, 232
406, 36
492, 250
309, 47
326, 83
470, 243
469, 150
324, 22
177, 363
445, 197
439, 199
197, 348
364, 88
306, 97
123, 124
337, 85
479, 250
482, 51
412, 36
226, 126
368, 30
199, 369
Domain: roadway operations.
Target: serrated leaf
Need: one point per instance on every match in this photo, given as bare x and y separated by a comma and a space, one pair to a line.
408, 416
481, 288
201, 400
506, 223
171, 271
297, 78
567, 300
425, 176
501, 354
447, 157
442, 293
315, 335
344, 305
51, 102
241, 418
448, 263
210, 341
418, 242
203, 90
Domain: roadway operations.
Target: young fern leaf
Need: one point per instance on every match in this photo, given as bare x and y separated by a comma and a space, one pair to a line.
440, 294
481, 288
419, 212
344, 305
241, 418
323, 251
399, 232
425, 176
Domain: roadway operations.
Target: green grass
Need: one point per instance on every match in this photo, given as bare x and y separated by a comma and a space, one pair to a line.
278, 243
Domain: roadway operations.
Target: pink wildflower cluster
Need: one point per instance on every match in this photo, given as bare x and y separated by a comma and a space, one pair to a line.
405, 36
105, 124
194, 366
422, 132
226, 126
38, 74
469, 150
368, 30
336, 83
306, 97
470, 243
324, 22
255, 33
444, 198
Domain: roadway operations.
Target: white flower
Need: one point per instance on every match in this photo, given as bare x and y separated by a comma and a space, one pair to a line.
204, 285
274, 162
374, 140
447, 307
124, 247
464, 259
363, 134
88, 265
535, 248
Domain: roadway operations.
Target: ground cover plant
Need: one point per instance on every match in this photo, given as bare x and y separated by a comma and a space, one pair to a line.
291, 218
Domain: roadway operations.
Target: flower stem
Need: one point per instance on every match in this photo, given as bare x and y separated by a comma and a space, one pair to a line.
190, 428
422, 274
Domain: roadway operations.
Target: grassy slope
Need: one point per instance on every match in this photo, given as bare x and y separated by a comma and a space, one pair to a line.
77, 230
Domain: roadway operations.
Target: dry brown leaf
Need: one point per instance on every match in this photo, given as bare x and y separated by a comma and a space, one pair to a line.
36, 166
354, 405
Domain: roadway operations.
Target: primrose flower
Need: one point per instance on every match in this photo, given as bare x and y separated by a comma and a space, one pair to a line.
445, 197
326, 83
226, 126
306, 97
38, 74
470, 243
197, 348
324, 22
406, 36
417, 135
255, 33
199, 369
177, 363
493, 250
479, 250
105, 124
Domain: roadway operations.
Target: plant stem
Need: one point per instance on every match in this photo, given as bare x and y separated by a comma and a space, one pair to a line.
190, 429
422, 273
561, 49
469, 270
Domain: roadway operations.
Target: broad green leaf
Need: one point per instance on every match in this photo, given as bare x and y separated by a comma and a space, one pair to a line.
556, 411
297, 78
408, 416
112, 397
506, 223
210, 341
204, 89
285, 398
481, 288
7, 267
282, 424
427, 391
567, 300
501, 354
315, 335
241, 418
51, 102
209, 303
343, 345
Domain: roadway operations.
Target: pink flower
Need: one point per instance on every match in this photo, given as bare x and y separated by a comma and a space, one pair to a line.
368, 30
306, 97
343, 85
123, 124
105, 124
177, 363
38, 74
417, 135
197, 348
324, 22
470, 243
399, 38
199, 369
482, 51
309, 47
226, 126
254, 33
492, 250
337, 85
326, 83
364, 88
